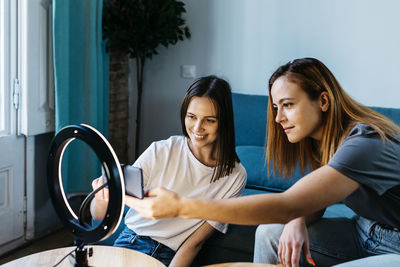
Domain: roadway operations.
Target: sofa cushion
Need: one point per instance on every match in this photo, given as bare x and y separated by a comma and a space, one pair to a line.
391, 113
338, 210
253, 159
250, 117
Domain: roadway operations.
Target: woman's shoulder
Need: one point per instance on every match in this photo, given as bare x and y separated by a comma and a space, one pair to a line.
363, 142
171, 142
361, 129
239, 169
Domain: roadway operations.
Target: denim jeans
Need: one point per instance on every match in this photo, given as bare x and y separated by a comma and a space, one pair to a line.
129, 239
384, 260
332, 241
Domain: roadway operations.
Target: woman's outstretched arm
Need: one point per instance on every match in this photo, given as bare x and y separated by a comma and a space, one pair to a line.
315, 191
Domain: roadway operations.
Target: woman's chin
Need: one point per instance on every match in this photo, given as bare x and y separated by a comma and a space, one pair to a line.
293, 139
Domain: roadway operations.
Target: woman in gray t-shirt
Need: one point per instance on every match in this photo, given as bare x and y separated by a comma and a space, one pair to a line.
353, 153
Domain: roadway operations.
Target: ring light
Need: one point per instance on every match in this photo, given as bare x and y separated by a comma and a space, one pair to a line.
112, 170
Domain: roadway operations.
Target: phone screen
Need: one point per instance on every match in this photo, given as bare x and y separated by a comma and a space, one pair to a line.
133, 177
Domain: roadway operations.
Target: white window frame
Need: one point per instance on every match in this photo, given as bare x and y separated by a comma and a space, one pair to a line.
8, 64
36, 76
26, 67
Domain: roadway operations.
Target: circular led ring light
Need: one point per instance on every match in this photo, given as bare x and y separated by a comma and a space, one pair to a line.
112, 170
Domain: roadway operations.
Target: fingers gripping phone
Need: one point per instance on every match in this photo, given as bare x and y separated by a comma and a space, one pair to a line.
133, 178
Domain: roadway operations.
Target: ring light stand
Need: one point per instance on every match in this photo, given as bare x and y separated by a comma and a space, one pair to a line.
81, 232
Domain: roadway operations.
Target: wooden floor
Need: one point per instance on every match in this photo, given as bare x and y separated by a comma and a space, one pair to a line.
58, 239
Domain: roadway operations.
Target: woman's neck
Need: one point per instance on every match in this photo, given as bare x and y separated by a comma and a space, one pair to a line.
205, 155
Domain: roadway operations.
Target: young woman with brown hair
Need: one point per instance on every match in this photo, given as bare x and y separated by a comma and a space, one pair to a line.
201, 163
353, 153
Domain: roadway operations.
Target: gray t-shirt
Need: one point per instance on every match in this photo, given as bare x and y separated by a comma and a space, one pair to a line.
375, 164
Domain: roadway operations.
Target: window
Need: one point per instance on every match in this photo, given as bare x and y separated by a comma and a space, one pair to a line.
8, 59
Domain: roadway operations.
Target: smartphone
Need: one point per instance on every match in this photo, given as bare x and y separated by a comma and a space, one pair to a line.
133, 177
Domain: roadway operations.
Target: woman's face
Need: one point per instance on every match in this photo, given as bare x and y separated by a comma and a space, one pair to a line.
299, 116
201, 123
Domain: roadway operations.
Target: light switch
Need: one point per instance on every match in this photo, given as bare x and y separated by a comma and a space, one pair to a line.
188, 71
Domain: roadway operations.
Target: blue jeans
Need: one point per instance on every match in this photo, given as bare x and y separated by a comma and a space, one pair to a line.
129, 239
384, 260
332, 241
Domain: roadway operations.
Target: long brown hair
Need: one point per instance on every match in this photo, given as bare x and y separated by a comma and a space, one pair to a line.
219, 91
312, 76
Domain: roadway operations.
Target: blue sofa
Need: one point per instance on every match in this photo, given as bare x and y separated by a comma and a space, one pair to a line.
250, 124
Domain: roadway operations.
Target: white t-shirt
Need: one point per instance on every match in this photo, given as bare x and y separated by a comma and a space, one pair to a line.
171, 164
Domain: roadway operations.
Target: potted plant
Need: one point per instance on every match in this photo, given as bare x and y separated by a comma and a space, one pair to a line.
137, 28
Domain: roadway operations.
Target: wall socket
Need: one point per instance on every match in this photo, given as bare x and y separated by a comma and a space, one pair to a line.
188, 71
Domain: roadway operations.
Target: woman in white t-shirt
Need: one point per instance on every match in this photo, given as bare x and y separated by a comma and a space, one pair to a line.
200, 164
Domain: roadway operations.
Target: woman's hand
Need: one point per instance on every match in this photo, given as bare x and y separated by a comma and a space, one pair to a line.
293, 241
159, 203
99, 204
102, 195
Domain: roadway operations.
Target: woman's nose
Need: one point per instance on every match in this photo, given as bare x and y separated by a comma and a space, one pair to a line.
279, 116
198, 125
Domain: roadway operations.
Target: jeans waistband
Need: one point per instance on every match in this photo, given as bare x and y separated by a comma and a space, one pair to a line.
367, 223
389, 227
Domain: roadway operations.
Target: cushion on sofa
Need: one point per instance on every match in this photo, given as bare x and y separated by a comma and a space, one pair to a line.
250, 117
391, 113
253, 160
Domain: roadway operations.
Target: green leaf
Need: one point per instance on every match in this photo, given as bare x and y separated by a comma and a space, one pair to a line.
140, 26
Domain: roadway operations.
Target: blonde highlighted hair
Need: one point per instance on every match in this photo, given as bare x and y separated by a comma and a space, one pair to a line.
312, 76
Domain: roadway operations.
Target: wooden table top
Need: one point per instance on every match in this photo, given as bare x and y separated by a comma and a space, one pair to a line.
102, 256
241, 264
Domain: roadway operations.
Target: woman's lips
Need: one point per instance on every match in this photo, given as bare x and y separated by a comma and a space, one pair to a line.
287, 129
198, 137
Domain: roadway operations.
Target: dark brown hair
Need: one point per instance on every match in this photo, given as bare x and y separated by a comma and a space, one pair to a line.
219, 91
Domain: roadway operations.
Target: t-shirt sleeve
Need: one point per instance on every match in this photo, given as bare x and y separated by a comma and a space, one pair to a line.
369, 160
239, 184
235, 190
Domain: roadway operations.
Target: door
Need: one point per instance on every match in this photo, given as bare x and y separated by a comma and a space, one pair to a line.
12, 145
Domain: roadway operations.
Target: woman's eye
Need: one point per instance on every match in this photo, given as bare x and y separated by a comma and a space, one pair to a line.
287, 105
211, 121
190, 116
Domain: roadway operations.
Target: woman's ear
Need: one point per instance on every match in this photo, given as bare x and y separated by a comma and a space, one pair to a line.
324, 101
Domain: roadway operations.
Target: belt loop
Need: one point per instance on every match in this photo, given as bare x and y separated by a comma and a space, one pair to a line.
133, 239
389, 227
155, 249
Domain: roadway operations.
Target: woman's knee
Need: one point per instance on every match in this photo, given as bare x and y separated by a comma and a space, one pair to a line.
267, 243
269, 232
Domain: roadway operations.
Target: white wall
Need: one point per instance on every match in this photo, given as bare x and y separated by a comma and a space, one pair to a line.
244, 41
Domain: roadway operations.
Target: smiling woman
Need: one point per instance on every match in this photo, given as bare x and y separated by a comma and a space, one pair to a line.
214, 99
201, 124
201, 163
